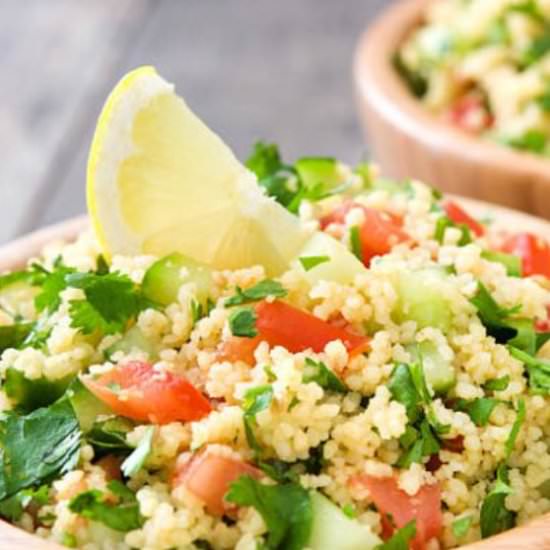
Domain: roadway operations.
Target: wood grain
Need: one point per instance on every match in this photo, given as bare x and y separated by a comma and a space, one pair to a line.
408, 141
532, 536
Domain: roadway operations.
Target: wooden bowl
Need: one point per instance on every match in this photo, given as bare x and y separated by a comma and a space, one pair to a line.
408, 141
532, 536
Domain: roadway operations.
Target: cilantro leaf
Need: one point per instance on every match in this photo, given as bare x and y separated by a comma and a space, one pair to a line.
494, 516
262, 290
518, 422
286, 510
400, 539
309, 262
111, 301
135, 461
242, 322
122, 515
318, 372
461, 526
38, 447
479, 410
497, 384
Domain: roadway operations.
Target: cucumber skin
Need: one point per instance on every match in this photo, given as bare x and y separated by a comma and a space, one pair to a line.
332, 529
164, 278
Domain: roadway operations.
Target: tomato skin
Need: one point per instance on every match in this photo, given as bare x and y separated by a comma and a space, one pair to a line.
147, 395
424, 506
378, 234
280, 324
533, 251
460, 115
458, 215
209, 476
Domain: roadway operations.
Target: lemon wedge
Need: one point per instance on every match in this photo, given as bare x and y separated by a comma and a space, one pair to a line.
160, 181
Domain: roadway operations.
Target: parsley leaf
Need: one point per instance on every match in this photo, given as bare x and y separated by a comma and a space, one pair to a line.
12, 508
479, 410
51, 283
418, 444
255, 400
444, 222
494, 516
318, 372
111, 301
242, 322
404, 391
537, 369
135, 461
520, 419
400, 539
309, 262
109, 436
355, 242
8, 279
461, 526
262, 290
286, 510
38, 447
12, 336
122, 515
497, 384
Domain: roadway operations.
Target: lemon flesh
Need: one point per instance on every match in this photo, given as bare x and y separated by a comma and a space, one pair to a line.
160, 181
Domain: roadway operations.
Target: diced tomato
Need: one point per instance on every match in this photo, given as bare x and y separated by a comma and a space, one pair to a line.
209, 476
136, 391
533, 251
280, 324
378, 234
458, 215
470, 113
424, 506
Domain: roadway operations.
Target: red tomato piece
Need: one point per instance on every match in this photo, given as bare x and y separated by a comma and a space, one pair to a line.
458, 215
136, 391
424, 506
378, 234
209, 476
470, 113
280, 324
533, 251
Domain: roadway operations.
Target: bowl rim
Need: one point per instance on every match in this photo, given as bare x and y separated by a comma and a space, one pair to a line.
378, 84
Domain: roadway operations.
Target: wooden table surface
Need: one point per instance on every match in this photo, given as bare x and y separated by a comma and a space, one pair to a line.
252, 69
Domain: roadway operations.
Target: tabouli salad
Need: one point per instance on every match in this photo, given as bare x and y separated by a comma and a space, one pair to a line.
484, 65
298, 356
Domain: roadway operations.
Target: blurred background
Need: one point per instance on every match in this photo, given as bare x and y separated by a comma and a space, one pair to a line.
252, 69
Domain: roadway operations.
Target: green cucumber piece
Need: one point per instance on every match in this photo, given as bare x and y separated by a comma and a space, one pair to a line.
86, 405
315, 172
509, 261
439, 372
420, 299
331, 528
30, 394
164, 278
133, 340
341, 266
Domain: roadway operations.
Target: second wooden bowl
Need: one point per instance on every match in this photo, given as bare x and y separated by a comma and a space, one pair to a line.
408, 141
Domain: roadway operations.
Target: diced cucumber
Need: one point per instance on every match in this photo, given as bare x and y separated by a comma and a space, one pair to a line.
29, 394
319, 171
164, 278
332, 529
438, 371
86, 405
421, 299
509, 261
336, 262
133, 340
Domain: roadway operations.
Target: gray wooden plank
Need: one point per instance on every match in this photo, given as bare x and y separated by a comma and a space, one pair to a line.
252, 69
51, 55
